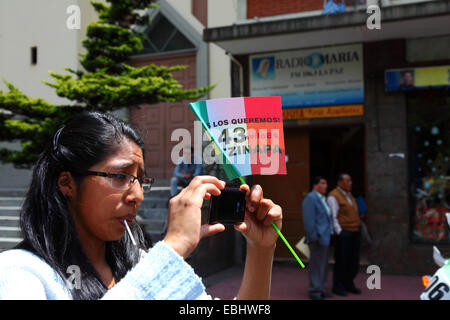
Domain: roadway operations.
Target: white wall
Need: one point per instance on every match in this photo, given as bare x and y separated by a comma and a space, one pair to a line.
183, 7
28, 23
25, 23
220, 13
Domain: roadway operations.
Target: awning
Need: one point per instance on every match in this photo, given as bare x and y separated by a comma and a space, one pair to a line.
416, 20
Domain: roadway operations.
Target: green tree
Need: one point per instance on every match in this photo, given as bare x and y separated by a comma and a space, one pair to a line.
107, 83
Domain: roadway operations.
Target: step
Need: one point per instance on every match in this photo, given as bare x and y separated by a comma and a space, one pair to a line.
10, 232
154, 202
153, 213
9, 221
13, 192
9, 211
154, 226
8, 243
11, 201
156, 237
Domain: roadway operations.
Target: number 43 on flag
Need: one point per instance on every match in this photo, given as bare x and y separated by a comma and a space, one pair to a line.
247, 133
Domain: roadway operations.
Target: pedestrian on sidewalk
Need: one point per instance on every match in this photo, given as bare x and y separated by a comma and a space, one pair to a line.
346, 223
318, 227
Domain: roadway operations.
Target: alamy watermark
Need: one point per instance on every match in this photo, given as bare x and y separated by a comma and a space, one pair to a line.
74, 279
374, 280
374, 20
73, 22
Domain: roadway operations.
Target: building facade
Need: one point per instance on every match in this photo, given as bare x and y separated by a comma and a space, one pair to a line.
352, 109
341, 113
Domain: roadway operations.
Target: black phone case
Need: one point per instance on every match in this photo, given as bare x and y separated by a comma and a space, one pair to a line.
228, 208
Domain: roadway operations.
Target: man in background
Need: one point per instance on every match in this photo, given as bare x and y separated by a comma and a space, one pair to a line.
346, 225
318, 227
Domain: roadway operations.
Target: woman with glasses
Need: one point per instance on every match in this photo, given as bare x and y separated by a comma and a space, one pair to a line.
85, 191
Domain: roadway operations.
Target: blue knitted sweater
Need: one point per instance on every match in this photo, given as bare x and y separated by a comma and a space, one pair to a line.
160, 274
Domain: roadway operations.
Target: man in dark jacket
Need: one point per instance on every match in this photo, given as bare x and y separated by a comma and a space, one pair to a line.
318, 228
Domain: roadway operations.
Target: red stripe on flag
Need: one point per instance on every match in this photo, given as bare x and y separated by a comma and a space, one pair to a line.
265, 113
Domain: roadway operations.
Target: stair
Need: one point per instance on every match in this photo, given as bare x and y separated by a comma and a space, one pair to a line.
153, 212
10, 205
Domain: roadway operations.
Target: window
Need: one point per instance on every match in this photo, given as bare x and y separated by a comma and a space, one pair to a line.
429, 135
33, 55
162, 36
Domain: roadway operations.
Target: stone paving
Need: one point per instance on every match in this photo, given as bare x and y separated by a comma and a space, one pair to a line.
291, 283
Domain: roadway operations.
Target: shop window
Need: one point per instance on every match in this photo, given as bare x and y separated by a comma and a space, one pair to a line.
162, 36
429, 134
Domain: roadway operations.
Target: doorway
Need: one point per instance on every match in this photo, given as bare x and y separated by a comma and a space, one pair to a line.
289, 190
324, 151
339, 149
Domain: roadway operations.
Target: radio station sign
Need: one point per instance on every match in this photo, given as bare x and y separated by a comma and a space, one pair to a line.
313, 77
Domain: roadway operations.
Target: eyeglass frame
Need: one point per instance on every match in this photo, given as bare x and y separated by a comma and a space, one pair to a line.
113, 175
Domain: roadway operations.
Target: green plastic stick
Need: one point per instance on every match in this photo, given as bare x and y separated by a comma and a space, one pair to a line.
236, 171
283, 238
288, 245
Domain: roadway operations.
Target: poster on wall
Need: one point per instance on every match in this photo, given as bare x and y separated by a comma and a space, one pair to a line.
417, 78
313, 77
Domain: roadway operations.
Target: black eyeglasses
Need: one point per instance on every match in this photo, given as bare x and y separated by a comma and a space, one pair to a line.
122, 181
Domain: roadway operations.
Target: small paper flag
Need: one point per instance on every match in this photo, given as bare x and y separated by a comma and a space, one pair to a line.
247, 133
247, 136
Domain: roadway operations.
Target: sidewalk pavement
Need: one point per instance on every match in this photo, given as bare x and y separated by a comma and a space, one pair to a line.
291, 283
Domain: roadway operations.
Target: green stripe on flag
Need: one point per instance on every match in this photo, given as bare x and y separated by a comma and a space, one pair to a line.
200, 110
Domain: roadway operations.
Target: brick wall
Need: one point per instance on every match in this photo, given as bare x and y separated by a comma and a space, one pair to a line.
156, 122
387, 178
200, 11
265, 8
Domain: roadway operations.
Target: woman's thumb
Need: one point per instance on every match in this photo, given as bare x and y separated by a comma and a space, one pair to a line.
207, 230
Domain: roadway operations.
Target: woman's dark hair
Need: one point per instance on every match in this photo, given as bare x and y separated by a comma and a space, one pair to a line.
47, 226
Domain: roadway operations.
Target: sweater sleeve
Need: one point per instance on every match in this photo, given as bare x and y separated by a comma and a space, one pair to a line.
161, 274
20, 284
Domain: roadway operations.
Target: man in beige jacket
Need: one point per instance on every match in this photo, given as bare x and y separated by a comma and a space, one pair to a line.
346, 224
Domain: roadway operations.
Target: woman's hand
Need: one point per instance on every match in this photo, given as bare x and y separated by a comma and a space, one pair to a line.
259, 214
184, 229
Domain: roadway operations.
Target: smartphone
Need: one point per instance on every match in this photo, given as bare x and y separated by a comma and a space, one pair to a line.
228, 207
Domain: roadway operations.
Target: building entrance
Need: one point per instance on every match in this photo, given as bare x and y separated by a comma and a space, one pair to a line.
311, 152
338, 149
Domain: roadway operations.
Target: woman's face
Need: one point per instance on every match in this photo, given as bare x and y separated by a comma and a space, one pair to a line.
98, 209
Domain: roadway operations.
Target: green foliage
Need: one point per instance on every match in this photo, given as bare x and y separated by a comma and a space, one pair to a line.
106, 92
107, 83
